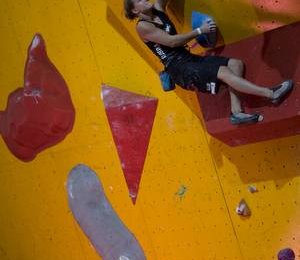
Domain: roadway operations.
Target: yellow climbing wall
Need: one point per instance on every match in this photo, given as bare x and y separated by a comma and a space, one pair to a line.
92, 44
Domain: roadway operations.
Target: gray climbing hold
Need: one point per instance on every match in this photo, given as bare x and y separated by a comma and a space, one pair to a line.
96, 217
252, 189
243, 209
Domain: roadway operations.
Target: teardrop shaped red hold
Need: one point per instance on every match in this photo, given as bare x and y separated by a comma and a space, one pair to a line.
41, 113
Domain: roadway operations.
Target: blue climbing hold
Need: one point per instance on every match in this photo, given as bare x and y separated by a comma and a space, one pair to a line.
166, 81
206, 40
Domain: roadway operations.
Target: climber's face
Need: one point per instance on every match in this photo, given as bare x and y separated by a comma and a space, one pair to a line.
141, 6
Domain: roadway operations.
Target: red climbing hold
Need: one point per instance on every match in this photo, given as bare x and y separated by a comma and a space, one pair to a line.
40, 114
131, 118
270, 58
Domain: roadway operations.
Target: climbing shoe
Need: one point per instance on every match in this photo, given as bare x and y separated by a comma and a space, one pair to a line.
243, 118
280, 92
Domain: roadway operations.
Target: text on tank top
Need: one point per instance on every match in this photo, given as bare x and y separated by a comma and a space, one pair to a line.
165, 53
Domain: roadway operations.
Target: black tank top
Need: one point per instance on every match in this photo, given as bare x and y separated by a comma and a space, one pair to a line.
165, 53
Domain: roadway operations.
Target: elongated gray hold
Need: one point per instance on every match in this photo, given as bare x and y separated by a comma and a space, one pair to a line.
97, 218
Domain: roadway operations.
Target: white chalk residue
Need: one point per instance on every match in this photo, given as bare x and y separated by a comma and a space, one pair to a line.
70, 191
35, 93
123, 165
138, 106
104, 93
35, 42
122, 257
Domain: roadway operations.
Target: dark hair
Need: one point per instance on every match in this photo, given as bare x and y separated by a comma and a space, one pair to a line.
128, 6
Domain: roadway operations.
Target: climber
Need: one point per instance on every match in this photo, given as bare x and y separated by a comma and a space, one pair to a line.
192, 71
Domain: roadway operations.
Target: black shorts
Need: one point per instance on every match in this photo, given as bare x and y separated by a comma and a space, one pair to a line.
192, 71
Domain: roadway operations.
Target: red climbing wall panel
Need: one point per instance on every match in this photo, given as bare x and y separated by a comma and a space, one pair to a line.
270, 58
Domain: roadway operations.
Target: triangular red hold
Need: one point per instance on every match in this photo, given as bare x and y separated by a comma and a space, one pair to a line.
130, 118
